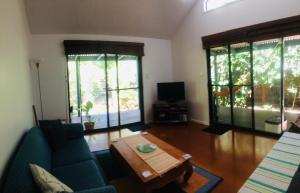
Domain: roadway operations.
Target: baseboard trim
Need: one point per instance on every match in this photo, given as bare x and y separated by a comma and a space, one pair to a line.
199, 121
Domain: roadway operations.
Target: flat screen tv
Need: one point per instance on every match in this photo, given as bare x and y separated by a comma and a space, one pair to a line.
170, 91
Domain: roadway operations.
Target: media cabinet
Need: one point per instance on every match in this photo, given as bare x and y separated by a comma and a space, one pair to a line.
170, 112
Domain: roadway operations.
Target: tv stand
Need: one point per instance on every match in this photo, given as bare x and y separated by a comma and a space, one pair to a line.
170, 112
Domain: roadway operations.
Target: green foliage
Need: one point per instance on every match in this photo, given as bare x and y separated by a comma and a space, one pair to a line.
86, 108
88, 83
240, 65
292, 76
266, 74
220, 69
266, 65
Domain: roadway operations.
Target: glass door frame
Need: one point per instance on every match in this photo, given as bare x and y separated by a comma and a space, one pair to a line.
231, 85
140, 89
217, 84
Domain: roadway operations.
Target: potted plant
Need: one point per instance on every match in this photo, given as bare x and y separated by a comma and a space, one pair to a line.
90, 124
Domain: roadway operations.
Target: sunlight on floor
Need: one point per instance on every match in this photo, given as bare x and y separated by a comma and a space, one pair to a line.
102, 141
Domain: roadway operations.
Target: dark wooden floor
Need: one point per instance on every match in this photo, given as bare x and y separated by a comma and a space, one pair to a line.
232, 156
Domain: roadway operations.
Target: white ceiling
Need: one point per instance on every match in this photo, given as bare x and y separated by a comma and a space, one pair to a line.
145, 18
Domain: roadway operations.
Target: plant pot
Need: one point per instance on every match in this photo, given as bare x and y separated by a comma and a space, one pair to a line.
89, 125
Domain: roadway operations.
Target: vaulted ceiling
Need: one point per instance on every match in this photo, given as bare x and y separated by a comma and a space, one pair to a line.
145, 18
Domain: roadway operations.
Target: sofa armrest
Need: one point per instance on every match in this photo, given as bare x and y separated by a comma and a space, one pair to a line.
105, 189
74, 130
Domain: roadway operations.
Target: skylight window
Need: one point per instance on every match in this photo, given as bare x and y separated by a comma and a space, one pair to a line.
214, 4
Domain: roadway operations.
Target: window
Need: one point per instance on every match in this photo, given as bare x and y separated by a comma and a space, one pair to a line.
111, 83
213, 4
254, 85
105, 83
254, 76
266, 81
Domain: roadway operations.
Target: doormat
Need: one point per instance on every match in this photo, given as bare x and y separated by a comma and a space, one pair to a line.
139, 127
201, 181
217, 130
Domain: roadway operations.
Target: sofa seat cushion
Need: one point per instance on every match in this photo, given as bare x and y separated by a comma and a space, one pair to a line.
74, 151
80, 176
55, 133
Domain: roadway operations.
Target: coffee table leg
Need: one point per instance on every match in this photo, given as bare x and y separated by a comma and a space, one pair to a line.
188, 173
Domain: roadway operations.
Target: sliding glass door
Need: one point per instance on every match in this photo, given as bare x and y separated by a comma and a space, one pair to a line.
267, 85
221, 100
256, 85
241, 84
231, 85
130, 111
110, 84
291, 80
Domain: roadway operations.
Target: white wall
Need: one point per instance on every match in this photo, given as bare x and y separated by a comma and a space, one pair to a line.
157, 67
15, 84
190, 59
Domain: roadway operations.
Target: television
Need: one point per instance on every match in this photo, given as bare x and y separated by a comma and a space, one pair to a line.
171, 91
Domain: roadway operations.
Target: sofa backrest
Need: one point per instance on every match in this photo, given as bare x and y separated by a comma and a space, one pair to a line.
33, 149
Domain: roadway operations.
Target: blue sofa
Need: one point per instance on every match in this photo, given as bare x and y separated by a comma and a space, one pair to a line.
74, 164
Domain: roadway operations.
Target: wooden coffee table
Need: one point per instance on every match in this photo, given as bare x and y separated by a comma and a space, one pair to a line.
135, 165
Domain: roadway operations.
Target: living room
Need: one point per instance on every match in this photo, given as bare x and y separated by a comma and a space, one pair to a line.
211, 86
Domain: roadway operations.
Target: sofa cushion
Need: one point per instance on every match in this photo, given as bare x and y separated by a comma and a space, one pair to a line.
74, 130
80, 176
33, 149
55, 133
46, 181
74, 151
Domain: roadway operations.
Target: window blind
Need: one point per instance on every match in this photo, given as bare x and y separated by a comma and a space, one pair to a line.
269, 30
76, 47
